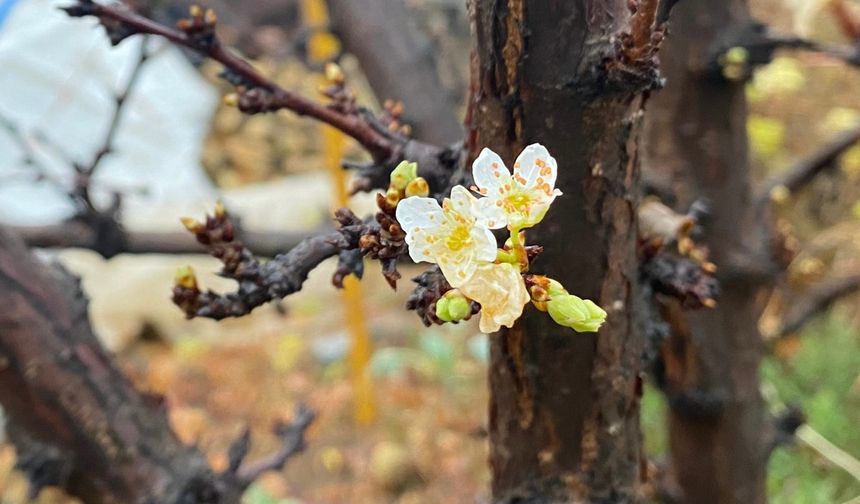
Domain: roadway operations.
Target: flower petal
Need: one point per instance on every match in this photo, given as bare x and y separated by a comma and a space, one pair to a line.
538, 209
488, 324
458, 268
463, 202
420, 247
535, 168
490, 173
417, 213
489, 212
485, 245
500, 290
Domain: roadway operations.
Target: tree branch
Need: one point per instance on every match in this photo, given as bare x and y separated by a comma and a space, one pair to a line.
805, 170
78, 422
819, 299
292, 443
259, 94
76, 234
261, 282
760, 43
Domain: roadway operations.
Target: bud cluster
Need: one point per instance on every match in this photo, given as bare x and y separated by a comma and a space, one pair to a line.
404, 183
566, 309
200, 26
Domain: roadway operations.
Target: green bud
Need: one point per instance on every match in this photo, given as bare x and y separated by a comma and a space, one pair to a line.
453, 306
555, 288
403, 174
442, 309
582, 315
737, 56
459, 308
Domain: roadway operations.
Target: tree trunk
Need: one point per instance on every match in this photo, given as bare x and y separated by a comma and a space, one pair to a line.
76, 420
696, 138
564, 407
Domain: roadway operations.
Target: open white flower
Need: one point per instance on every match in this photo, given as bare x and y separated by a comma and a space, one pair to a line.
519, 200
501, 291
448, 235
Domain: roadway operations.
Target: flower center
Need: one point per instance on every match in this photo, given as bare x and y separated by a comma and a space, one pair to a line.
518, 202
459, 238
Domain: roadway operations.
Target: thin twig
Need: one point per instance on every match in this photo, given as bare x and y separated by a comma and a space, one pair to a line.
260, 282
258, 93
760, 42
30, 157
120, 101
804, 171
292, 443
819, 299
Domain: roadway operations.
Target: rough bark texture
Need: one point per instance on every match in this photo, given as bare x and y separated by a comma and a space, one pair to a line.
696, 138
564, 406
78, 422
398, 62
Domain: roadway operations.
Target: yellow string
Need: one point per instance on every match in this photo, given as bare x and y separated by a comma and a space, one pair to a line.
322, 46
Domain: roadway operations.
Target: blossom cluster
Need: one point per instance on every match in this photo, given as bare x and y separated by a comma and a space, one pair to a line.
457, 236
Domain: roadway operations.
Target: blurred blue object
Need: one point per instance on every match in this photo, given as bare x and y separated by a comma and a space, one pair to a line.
5, 9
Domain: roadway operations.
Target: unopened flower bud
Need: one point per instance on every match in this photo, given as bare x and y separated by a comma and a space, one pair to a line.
185, 278
780, 194
539, 294
392, 196
418, 187
211, 17
231, 100
368, 242
554, 288
403, 174
220, 211
192, 225
453, 307
581, 315
737, 55
334, 74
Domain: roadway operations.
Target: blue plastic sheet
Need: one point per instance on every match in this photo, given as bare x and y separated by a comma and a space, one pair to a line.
6, 7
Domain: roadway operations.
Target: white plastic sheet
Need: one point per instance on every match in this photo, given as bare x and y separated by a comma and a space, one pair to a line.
58, 76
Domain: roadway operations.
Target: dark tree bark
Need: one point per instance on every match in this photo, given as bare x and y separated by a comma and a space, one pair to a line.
398, 62
564, 407
59, 388
697, 139
78, 422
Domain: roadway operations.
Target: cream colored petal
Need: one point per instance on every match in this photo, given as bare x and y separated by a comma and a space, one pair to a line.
418, 213
457, 267
488, 324
541, 205
500, 290
484, 244
535, 168
490, 173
